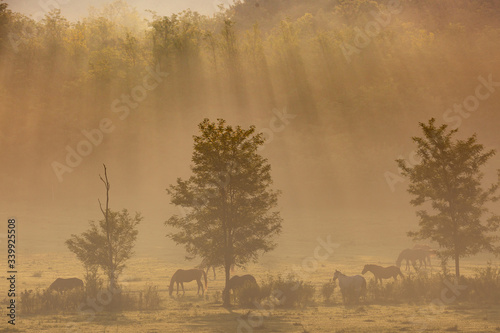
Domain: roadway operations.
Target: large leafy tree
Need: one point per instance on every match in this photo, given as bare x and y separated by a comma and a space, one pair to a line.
228, 202
448, 178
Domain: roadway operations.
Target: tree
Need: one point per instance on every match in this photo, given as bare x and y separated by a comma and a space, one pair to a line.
109, 243
449, 177
227, 202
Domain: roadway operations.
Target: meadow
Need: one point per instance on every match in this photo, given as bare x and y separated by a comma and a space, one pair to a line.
206, 314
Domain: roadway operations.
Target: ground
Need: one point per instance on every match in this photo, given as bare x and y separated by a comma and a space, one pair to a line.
205, 314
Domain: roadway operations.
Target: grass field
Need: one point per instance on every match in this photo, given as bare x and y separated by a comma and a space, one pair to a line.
205, 314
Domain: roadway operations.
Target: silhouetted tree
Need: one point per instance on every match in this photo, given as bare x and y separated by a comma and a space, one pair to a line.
109, 243
449, 178
227, 201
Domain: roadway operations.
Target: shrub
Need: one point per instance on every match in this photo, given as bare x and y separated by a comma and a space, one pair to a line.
247, 295
485, 286
151, 298
327, 291
288, 292
41, 302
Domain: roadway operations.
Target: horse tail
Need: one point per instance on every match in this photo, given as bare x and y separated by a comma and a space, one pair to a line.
206, 280
400, 274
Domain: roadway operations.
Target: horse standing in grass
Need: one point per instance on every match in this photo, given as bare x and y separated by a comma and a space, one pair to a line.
351, 287
413, 255
206, 265
383, 272
430, 251
181, 276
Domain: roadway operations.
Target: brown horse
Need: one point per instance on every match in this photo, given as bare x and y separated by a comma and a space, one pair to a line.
383, 272
424, 247
413, 255
206, 265
237, 282
60, 285
181, 276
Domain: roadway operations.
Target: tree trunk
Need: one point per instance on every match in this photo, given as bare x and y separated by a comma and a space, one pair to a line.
226, 293
457, 265
111, 276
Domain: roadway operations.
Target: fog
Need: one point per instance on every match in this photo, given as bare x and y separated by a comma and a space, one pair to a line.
336, 120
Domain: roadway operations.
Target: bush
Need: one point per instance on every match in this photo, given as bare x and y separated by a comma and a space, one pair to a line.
327, 291
485, 286
247, 295
41, 302
288, 292
151, 298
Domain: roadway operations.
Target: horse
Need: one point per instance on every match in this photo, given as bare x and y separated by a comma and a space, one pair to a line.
181, 276
424, 247
205, 265
60, 285
350, 286
237, 282
413, 255
383, 272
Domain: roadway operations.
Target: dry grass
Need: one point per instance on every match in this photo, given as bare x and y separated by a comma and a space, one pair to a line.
205, 314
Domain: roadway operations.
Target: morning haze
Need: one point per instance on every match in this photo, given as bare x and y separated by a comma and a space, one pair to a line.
337, 89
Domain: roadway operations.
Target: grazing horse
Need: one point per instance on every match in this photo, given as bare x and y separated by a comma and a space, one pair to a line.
383, 272
424, 247
61, 285
351, 287
181, 276
413, 255
205, 265
237, 282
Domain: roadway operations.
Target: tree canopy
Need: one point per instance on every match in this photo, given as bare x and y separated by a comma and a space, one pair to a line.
449, 178
228, 202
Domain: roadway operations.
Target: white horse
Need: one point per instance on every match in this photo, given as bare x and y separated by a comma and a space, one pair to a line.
351, 287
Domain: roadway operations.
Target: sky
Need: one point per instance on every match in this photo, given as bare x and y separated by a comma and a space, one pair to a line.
74, 9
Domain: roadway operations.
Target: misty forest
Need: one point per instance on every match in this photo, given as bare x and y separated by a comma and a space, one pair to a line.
273, 166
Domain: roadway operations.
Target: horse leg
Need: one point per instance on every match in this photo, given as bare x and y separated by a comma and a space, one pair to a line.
177, 288
182, 285
213, 267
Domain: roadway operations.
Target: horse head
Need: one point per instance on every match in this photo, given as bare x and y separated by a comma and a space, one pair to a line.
336, 275
170, 290
365, 269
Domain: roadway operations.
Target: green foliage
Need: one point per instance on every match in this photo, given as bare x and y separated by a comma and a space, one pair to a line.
449, 177
228, 201
91, 247
242, 62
